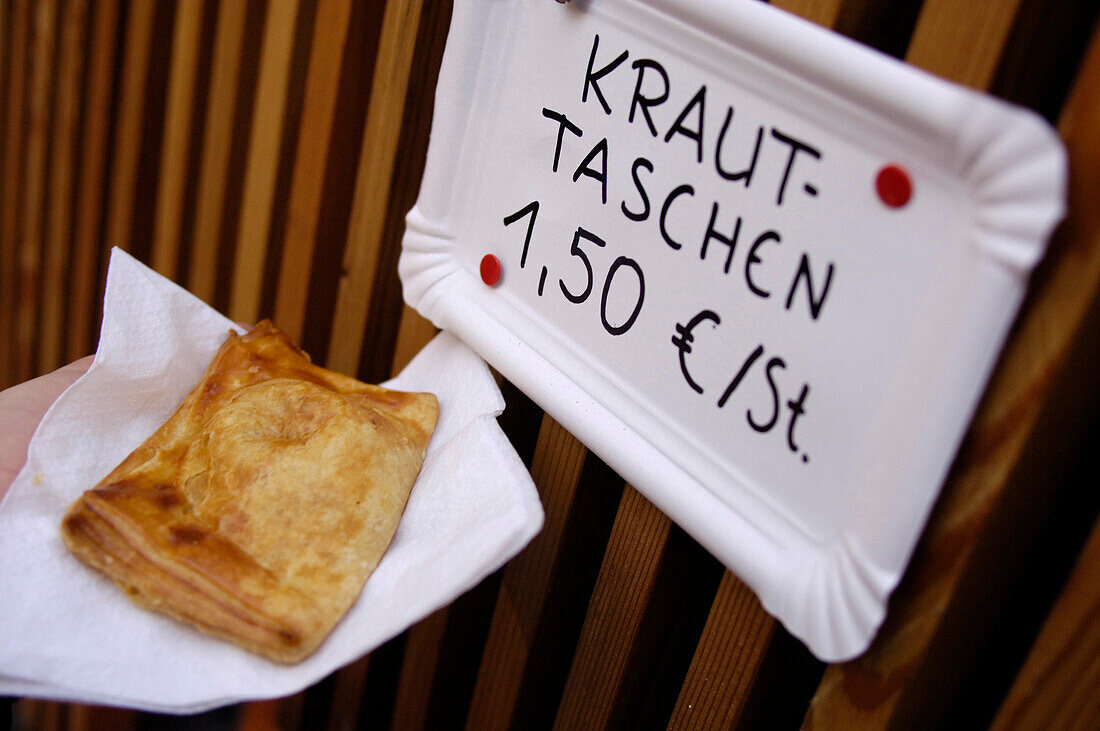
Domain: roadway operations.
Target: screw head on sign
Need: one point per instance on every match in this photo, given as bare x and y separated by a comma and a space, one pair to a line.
894, 186
490, 269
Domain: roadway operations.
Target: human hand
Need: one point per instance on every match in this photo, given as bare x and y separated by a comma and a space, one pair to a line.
22, 407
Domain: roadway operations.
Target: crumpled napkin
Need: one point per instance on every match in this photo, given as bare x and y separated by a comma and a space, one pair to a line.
70, 634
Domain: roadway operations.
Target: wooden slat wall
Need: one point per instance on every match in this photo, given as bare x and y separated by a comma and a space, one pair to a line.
264, 153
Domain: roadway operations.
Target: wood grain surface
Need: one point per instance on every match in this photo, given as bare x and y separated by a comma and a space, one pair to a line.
15, 80
303, 207
80, 324
264, 153
58, 223
36, 141
265, 145
1056, 686
174, 156
221, 109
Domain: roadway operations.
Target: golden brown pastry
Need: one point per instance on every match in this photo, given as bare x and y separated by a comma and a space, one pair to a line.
259, 509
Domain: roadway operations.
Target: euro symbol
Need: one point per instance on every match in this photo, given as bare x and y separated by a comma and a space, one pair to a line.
684, 339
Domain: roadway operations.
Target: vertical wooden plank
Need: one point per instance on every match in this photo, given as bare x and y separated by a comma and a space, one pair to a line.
95, 129
347, 695
615, 614
413, 334
884, 26
556, 468
1056, 688
43, 29
372, 186
385, 311
217, 138
323, 76
727, 661
950, 41
414, 687
263, 161
62, 157
174, 154
989, 500
270, 715
129, 123
12, 185
822, 12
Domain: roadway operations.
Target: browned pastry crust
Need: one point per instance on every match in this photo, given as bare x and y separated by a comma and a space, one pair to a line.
259, 509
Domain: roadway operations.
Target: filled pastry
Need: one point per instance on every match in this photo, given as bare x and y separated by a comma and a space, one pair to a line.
260, 508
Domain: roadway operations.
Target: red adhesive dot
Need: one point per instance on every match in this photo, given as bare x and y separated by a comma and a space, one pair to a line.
894, 186
490, 269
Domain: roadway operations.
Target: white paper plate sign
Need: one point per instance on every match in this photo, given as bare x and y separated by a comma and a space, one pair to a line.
761, 271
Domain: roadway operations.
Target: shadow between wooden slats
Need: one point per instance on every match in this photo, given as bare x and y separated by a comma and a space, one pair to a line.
217, 141
153, 127
138, 132
39, 715
443, 652
620, 602
725, 666
94, 718
43, 20
1040, 587
89, 217
284, 180
16, 33
238, 153
996, 498
261, 169
386, 315
1056, 688
137, 41
303, 207
822, 12
348, 142
414, 688
66, 112
372, 184
193, 148
174, 155
383, 328
651, 573
885, 26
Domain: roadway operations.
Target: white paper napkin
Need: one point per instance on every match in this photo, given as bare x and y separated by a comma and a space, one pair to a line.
69, 634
